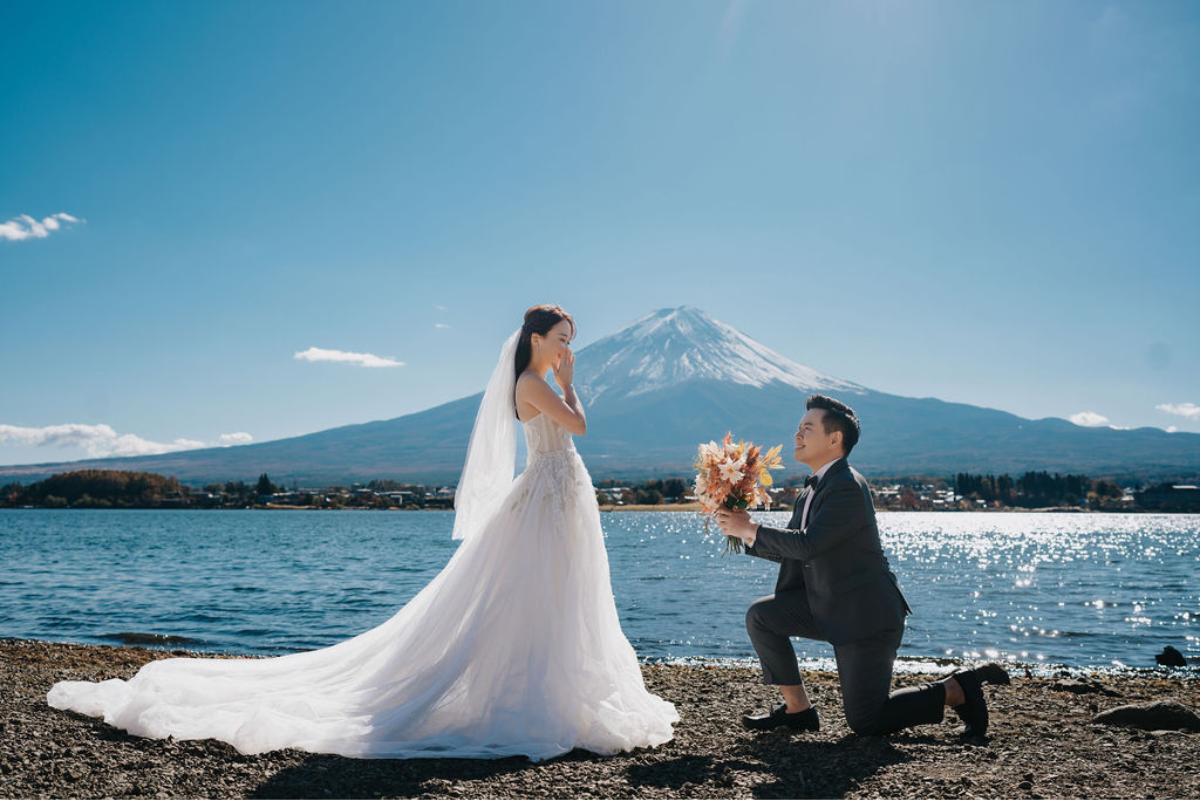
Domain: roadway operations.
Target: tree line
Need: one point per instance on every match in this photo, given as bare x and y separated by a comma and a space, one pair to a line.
1038, 490
964, 491
95, 488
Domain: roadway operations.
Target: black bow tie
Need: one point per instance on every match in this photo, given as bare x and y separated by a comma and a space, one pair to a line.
811, 481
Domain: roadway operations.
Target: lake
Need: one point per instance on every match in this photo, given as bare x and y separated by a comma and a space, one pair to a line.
1082, 590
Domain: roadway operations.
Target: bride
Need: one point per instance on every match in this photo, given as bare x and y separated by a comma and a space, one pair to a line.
515, 648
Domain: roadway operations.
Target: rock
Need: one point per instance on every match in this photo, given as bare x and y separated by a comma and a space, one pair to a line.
1160, 715
1170, 657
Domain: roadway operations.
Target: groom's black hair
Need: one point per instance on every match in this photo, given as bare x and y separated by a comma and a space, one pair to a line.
838, 417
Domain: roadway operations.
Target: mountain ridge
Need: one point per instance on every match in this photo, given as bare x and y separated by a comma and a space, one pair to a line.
671, 379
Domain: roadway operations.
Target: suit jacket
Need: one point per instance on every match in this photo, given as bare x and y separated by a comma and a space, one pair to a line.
836, 559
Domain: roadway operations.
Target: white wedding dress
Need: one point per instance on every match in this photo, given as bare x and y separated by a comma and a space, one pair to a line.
515, 648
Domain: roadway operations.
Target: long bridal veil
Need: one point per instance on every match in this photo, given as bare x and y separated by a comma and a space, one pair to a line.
488, 471
514, 648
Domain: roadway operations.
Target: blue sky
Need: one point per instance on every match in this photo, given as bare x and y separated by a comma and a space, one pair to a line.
990, 203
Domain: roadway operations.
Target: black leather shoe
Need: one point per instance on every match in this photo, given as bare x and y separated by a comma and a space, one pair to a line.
806, 720
974, 711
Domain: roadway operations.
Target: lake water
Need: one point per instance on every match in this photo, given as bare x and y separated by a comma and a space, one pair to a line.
1082, 590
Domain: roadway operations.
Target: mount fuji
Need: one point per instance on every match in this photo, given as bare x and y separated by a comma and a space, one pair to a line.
681, 345
667, 381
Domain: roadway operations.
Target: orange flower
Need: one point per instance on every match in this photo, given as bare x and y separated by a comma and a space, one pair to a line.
718, 464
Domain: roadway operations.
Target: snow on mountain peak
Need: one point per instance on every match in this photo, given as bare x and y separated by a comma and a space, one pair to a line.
674, 345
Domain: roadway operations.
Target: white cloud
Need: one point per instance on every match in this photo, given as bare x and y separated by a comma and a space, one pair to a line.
99, 441
231, 439
24, 226
359, 359
1172, 429
1189, 410
1089, 419
441, 325
439, 306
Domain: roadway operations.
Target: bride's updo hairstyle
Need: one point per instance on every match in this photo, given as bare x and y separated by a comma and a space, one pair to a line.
539, 320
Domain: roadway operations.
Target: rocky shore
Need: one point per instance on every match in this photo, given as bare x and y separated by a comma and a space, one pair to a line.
1045, 741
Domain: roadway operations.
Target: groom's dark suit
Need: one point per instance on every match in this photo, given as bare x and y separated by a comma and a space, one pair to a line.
835, 585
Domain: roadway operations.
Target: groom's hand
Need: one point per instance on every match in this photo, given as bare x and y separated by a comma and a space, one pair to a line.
737, 522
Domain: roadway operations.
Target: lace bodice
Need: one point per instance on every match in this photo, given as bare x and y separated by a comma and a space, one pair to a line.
544, 437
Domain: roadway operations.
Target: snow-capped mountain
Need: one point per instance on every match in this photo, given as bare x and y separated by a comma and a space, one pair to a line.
674, 378
676, 345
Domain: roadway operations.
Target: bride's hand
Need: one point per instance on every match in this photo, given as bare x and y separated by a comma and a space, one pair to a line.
564, 373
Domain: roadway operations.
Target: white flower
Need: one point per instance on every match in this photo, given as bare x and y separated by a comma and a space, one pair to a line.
732, 470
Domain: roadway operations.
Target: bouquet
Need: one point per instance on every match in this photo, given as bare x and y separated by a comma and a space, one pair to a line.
734, 476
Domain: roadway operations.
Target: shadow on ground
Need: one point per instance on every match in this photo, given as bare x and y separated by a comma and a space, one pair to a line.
794, 767
774, 765
768, 766
323, 776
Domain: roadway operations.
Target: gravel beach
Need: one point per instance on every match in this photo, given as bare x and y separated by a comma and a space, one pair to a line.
1044, 742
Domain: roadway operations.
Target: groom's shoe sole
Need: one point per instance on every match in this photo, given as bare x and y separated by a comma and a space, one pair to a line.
806, 720
973, 712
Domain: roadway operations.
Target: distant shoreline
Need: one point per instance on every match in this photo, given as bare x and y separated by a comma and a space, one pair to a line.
608, 508
1032, 492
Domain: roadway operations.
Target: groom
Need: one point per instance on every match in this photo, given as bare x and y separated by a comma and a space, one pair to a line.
835, 585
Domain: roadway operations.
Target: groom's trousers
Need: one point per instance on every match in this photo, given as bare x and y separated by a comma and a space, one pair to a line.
864, 666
